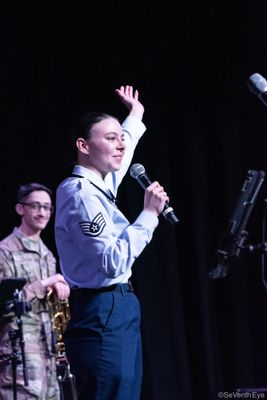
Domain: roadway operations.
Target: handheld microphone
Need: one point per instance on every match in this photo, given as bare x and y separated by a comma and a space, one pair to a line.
258, 86
138, 172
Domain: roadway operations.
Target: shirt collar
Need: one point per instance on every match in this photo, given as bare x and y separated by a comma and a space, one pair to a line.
91, 176
36, 246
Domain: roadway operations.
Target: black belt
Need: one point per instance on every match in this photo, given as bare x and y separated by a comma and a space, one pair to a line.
119, 287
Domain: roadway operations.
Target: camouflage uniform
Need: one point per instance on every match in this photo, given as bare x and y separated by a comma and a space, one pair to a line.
22, 257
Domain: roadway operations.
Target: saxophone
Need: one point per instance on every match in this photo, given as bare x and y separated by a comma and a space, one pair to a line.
59, 312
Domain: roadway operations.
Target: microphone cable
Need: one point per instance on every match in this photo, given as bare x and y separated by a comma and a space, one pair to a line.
263, 257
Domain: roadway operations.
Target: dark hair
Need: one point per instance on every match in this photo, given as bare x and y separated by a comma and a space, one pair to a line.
82, 129
25, 190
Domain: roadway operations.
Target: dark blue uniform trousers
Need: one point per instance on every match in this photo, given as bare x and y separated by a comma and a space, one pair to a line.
103, 343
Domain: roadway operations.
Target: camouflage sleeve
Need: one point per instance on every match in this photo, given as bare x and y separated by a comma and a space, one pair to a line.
34, 289
5, 266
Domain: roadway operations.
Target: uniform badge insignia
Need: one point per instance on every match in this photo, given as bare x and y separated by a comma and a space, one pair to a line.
95, 227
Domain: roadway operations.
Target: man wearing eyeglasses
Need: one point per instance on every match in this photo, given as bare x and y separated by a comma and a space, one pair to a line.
23, 254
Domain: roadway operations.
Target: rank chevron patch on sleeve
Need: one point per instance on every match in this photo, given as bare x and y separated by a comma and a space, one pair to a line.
95, 227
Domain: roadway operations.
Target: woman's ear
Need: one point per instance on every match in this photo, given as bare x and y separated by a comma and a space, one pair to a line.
82, 145
19, 209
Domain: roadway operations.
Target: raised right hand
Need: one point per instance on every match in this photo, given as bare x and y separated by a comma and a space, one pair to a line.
130, 99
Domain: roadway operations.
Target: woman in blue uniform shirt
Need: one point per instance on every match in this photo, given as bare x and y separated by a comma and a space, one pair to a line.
97, 247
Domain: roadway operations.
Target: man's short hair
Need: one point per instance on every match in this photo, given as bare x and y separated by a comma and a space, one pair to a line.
25, 190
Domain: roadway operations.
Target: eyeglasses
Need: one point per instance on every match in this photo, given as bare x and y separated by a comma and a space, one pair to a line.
35, 207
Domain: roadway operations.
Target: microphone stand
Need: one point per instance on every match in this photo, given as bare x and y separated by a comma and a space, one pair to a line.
224, 257
13, 335
19, 307
260, 248
234, 238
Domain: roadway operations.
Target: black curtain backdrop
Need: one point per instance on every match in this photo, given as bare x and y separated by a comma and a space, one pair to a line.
205, 130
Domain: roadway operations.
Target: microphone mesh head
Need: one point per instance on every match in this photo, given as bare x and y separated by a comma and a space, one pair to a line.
257, 84
137, 170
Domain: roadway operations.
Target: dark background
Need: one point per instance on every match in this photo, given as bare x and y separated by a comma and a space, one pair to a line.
205, 130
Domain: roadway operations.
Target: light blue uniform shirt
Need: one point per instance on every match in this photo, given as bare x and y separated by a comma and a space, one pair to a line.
96, 244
